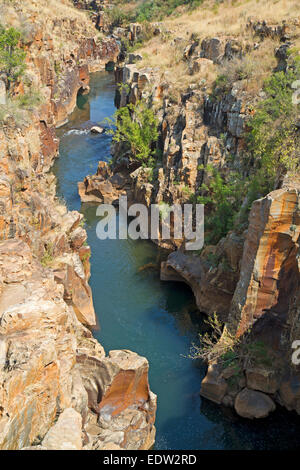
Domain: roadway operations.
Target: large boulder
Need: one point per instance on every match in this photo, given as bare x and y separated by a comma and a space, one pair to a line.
118, 393
251, 404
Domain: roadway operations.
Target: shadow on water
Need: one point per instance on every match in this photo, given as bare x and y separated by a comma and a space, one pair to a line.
139, 312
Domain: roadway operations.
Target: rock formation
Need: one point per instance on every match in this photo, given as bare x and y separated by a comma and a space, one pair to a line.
58, 390
250, 277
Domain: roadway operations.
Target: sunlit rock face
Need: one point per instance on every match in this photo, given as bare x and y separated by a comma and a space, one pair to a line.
269, 269
53, 374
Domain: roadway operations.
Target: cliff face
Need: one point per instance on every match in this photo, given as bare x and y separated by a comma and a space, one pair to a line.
58, 389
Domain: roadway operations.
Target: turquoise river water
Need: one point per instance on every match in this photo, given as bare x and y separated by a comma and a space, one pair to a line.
156, 319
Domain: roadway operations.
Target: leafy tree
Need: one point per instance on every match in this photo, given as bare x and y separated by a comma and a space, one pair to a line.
222, 200
136, 126
274, 137
12, 57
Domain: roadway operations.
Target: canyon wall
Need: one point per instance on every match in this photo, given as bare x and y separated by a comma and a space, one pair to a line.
58, 389
250, 277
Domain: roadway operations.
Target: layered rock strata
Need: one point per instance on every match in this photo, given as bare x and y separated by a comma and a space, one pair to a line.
250, 278
58, 389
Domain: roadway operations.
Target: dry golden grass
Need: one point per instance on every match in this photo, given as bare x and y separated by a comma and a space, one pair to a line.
35, 8
230, 16
50, 16
229, 19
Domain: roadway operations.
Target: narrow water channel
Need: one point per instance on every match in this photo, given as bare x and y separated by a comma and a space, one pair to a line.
157, 320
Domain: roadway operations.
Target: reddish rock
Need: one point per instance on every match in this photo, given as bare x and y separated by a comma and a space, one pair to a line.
269, 259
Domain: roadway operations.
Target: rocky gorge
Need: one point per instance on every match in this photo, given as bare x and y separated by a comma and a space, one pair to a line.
250, 277
59, 390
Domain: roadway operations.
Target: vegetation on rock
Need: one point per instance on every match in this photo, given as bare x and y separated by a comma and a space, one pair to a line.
274, 136
148, 10
136, 126
12, 57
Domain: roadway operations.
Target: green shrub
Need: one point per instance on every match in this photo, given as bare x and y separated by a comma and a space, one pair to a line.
219, 344
136, 126
273, 139
222, 200
29, 100
117, 17
12, 57
150, 10
273, 148
47, 257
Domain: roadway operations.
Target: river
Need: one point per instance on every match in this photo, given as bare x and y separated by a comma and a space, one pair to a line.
157, 320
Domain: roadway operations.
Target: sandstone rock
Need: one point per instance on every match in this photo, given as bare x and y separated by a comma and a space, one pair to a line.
213, 386
15, 261
78, 238
118, 391
77, 292
269, 237
66, 433
262, 380
251, 404
200, 65
103, 170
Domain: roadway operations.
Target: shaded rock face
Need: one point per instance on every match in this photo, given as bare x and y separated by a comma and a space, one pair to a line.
48, 398
251, 404
251, 280
213, 386
266, 301
213, 287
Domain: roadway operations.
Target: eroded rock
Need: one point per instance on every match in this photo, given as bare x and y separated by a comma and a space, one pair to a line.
66, 434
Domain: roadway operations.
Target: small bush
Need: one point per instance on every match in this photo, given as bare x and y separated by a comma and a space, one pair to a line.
150, 10
273, 139
12, 57
30, 100
47, 257
136, 126
222, 200
218, 344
